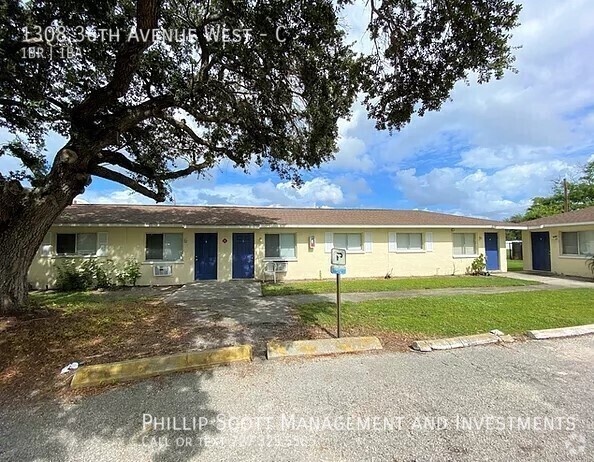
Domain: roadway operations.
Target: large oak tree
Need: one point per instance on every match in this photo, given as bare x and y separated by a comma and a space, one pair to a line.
142, 109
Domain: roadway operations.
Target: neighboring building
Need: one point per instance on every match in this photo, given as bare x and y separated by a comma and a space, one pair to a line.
561, 243
180, 244
514, 250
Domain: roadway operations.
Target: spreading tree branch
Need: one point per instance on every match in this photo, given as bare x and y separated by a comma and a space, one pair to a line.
63, 106
117, 158
157, 196
11, 102
127, 61
153, 107
185, 171
194, 136
185, 128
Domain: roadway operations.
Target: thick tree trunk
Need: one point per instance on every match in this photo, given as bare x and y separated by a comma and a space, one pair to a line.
25, 218
19, 241
13, 280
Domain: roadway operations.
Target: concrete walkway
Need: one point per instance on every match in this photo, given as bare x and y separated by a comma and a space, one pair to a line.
207, 291
550, 279
546, 283
240, 301
364, 296
233, 312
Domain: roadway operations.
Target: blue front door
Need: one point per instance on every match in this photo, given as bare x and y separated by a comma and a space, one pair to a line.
206, 256
541, 251
492, 251
243, 255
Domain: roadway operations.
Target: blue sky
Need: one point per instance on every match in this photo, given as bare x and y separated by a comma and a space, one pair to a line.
486, 153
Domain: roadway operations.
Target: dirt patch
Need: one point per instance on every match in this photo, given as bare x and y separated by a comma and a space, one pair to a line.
35, 347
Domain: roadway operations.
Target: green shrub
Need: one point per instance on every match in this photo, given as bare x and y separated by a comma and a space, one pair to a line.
478, 266
90, 273
591, 264
129, 273
71, 278
99, 272
86, 270
104, 274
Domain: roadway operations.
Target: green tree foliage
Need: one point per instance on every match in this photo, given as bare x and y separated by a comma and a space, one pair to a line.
148, 105
580, 194
513, 234
141, 109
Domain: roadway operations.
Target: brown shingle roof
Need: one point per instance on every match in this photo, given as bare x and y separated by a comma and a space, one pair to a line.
577, 216
94, 214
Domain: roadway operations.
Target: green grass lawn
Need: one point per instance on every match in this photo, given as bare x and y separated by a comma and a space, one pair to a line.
460, 315
515, 265
69, 302
383, 285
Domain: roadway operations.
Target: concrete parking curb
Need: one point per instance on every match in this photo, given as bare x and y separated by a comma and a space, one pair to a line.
103, 374
561, 332
321, 347
461, 342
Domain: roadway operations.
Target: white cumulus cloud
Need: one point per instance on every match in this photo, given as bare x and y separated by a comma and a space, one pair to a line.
315, 192
500, 194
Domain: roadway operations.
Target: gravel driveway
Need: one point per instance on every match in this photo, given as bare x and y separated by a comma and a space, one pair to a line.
528, 401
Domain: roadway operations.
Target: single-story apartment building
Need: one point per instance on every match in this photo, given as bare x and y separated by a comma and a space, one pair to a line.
560, 243
180, 244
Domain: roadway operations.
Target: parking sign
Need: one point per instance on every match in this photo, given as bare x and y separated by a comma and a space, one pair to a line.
338, 257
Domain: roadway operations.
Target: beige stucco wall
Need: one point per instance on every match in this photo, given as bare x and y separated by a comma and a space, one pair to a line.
560, 264
122, 243
129, 242
315, 264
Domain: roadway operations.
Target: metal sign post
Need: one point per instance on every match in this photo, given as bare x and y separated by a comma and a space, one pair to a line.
338, 267
338, 305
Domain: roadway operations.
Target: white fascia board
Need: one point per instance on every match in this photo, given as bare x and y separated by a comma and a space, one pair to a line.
561, 225
518, 227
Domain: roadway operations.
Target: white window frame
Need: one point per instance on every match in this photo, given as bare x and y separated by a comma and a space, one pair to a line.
269, 258
465, 255
161, 261
76, 251
360, 249
46, 249
420, 249
579, 253
574, 255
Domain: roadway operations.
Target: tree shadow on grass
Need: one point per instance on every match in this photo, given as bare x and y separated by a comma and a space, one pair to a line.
281, 289
110, 426
313, 313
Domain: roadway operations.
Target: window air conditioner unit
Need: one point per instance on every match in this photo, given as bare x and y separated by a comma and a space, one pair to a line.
162, 270
280, 266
